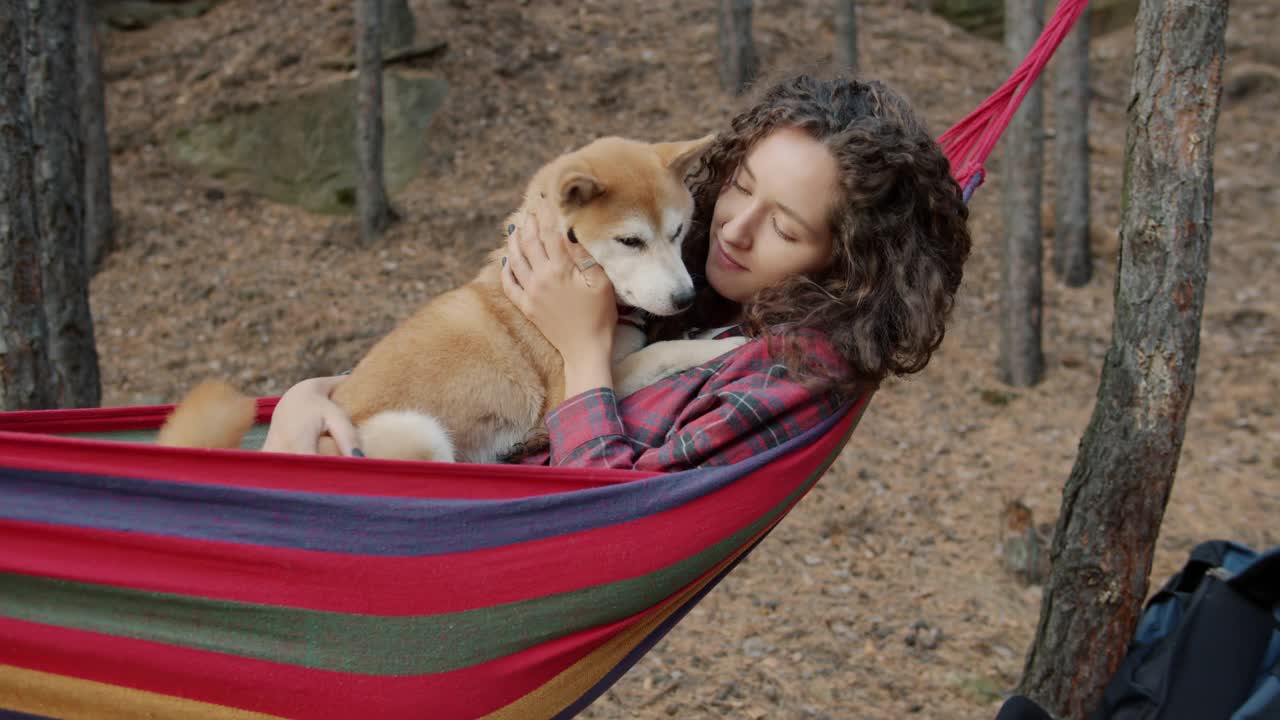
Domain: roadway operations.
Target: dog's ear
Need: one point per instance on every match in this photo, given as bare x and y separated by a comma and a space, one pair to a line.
679, 156
578, 188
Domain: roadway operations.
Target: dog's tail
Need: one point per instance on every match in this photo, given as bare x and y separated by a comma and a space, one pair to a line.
405, 435
212, 415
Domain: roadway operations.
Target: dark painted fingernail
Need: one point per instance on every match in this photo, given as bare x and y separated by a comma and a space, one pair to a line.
504, 261
573, 238
357, 452
511, 228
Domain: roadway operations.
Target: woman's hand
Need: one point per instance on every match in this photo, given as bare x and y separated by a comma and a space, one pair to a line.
566, 295
304, 414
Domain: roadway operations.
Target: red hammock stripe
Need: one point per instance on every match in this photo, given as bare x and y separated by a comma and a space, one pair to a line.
969, 142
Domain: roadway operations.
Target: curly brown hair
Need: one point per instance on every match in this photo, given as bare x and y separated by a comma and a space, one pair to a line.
899, 229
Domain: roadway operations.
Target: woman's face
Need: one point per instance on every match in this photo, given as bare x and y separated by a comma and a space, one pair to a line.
771, 220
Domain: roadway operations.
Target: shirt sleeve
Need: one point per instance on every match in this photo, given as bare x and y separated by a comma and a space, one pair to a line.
587, 429
743, 407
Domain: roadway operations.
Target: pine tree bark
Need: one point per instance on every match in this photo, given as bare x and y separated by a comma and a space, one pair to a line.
1021, 281
1115, 498
1072, 258
52, 93
847, 35
371, 194
739, 63
99, 225
24, 360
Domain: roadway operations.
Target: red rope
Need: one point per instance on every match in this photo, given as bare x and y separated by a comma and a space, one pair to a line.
969, 142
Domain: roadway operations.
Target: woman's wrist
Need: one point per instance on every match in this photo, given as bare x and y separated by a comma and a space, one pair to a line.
587, 371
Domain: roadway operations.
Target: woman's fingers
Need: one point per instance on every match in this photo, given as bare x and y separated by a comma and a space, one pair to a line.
537, 248
342, 432
546, 217
531, 240
511, 286
553, 242
588, 268
517, 262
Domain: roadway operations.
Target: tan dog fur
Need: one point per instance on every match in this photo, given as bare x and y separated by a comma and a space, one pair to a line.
467, 375
213, 415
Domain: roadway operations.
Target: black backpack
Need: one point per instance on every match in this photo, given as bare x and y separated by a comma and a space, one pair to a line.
1207, 646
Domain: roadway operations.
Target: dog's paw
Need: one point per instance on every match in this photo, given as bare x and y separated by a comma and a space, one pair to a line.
716, 348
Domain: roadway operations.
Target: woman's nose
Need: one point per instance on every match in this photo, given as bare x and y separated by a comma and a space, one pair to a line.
737, 230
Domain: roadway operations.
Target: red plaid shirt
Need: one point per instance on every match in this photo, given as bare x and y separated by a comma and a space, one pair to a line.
726, 410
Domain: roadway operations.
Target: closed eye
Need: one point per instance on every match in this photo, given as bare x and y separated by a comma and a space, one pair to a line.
785, 236
631, 241
676, 235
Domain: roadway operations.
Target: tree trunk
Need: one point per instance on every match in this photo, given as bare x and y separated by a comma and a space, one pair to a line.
52, 91
1114, 500
371, 194
739, 63
847, 35
1072, 260
24, 360
99, 226
1021, 283
398, 25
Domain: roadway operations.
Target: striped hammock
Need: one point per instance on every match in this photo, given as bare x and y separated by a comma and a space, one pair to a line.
139, 581
185, 583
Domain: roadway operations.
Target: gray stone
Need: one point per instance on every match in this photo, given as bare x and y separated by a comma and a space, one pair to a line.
140, 14
302, 151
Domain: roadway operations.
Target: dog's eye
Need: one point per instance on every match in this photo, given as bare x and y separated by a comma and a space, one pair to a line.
675, 235
632, 241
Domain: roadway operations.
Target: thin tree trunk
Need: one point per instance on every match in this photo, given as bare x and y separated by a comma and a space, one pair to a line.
739, 63
59, 183
24, 360
1021, 286
1114, 501
847, 35
1072, 260
371, 194
99, 226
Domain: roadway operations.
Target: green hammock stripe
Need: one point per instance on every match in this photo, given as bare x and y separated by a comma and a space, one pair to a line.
365, 644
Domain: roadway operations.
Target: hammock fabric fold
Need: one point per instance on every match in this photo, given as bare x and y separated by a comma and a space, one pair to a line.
142, 581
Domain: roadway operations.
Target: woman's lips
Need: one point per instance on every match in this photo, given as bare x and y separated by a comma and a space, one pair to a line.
725, 261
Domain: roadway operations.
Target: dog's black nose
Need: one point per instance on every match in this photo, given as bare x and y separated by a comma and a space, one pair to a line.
683, 300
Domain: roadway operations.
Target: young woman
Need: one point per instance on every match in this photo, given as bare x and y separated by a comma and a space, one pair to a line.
827, 230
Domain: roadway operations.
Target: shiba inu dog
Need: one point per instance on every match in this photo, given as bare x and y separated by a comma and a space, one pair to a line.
467, 377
